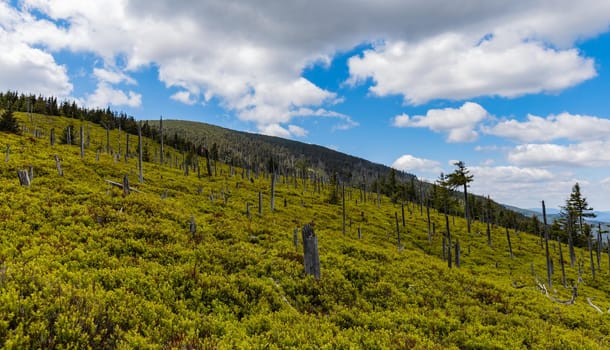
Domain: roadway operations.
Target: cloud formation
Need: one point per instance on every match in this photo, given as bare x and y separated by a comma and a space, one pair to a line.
410, 163
453, 66
250, 55
458, 123
585, 154
564, 126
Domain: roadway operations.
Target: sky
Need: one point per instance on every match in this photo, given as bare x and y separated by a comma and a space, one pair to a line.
519, 90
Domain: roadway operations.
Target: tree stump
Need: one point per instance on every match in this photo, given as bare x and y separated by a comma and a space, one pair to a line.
24, 178
311, 257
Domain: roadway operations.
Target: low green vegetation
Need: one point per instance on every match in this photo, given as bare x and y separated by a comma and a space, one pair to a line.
85, 265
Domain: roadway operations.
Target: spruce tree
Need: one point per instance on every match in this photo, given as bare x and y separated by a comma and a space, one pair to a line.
8, 122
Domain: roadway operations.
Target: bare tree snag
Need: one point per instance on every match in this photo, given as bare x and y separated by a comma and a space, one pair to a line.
448, 240
260, 203
311, 257
397, 229
8, 152
343, 212
429, 232
510, 246
161, 139
139, 152
52, 137
589, 239
359, 233
561, 262
546, 243
58, 165
273, 191
458, 253
82, 142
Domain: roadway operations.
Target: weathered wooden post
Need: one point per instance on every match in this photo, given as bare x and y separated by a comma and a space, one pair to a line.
24, 178
125, 185
311, 257
139, 151
82, 142
58, 165
510, 247
546, 243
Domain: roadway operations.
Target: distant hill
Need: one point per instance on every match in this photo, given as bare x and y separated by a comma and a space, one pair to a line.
244, 147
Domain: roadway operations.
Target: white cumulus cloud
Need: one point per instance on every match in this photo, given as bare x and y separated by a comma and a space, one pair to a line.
105, 95
458, 123
554, 127
411, 163
585, 154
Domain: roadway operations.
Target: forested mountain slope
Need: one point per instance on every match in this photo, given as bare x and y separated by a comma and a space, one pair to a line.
193, 261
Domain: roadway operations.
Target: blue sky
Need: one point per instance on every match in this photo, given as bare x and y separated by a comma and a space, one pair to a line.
518, 90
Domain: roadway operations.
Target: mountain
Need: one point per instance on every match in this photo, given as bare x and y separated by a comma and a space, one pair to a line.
188, 260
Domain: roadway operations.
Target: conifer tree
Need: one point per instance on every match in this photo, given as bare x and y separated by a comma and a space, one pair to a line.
461, 177
8, 122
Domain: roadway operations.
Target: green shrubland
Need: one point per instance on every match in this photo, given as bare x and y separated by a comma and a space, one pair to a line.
84, 266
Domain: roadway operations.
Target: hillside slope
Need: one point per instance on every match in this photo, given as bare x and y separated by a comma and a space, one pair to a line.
83, 265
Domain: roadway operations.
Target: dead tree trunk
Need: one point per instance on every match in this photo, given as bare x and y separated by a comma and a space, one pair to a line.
343, 211
562, 263
161, 139
69, 135
510, 246
448, 240
571, 242
8, 152
546, 244
140, 152
458, 253
273, 190
82, 142
52, 137
397, 229
402, 212
192, 226
311, 257
488, 221
125, 185
58, 165
295, 238
126, 147
590, 244
429, 232
599, 246
260, 203
24, 178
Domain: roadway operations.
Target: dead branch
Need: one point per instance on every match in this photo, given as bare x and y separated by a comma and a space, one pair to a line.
590, 302
120, 185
